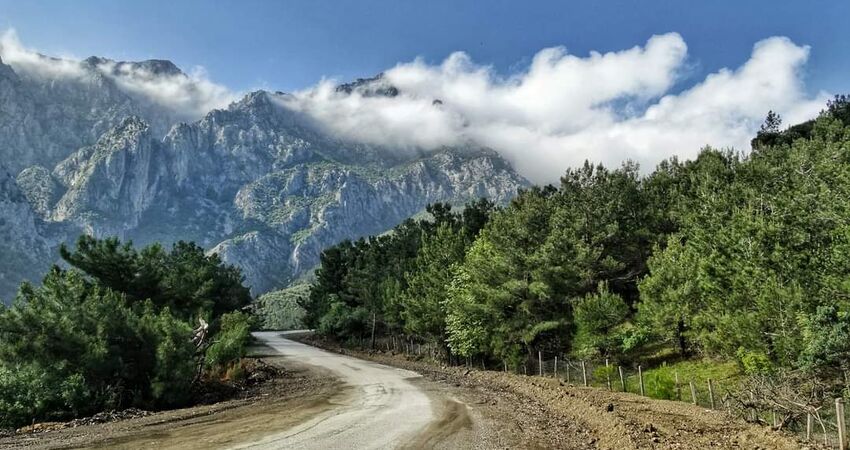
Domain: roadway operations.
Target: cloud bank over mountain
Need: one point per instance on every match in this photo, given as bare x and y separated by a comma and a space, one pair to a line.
565, 108
559, 111
191, 95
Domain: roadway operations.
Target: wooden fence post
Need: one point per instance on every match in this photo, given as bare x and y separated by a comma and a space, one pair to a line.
584, 373
622, 378
607, 374
640, 380
568, 371
754, 415
711, 393
556, 368
839, 420
809, 420
678, 387
693, 393
506, 366
540, 362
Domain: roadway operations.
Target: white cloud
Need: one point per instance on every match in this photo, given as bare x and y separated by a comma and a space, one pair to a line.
564, 109
559, 111
190, 95
34, 63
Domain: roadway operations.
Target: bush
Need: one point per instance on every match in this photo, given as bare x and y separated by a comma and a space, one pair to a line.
29, 391
115, 332
601, 374
598, 317
230, 343
71, 348
755, 362
342, 320
660, 384
174, 366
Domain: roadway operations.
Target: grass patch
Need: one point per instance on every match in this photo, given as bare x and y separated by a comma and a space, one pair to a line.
660, 382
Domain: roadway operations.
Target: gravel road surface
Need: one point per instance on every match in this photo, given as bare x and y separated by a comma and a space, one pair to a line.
382, 408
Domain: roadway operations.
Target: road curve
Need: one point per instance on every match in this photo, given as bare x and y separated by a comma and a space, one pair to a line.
385, 410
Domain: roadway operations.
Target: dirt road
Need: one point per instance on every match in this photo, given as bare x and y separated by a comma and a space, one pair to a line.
326, 400
382, 408
323, 400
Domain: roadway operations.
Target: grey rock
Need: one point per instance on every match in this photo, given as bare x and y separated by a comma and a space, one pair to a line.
257, 183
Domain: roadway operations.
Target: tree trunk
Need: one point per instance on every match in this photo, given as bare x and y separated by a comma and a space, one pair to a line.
374, 321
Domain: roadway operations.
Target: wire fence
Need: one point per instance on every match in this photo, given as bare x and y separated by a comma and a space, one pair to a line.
822, 422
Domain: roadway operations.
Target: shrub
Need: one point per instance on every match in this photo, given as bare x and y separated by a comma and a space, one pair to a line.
114, 332
601, 374
230, 343
660, 384
174, 362
598, 316
755, 362
70, 348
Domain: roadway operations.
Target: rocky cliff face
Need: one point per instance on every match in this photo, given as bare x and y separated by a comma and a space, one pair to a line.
45, 117
27, 243
255, 182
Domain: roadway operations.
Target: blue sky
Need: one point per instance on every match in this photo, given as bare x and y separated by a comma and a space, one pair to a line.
289, 45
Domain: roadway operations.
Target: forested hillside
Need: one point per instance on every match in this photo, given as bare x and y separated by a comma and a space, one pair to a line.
738, 257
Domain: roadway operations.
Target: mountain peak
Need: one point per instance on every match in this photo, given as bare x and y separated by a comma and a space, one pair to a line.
376, 86
258, 102
255, 98
155, 67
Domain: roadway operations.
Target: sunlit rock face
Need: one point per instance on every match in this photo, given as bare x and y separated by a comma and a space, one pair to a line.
255, 182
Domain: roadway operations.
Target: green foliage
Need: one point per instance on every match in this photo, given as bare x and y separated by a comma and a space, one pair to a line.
72, 347
755, 362
737, 257
466, 321
229, 344
504, 286
826, 335
602, 374
282, 310
597, 317
660, 384
342, 320
396, 282
660, 380
114, 331
185, 279
751, 266
423, 310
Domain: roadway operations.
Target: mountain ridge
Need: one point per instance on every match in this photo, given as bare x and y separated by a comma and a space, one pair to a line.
257, 182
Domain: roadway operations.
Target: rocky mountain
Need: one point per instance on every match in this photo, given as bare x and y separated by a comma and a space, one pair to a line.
46, 116
256, 182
